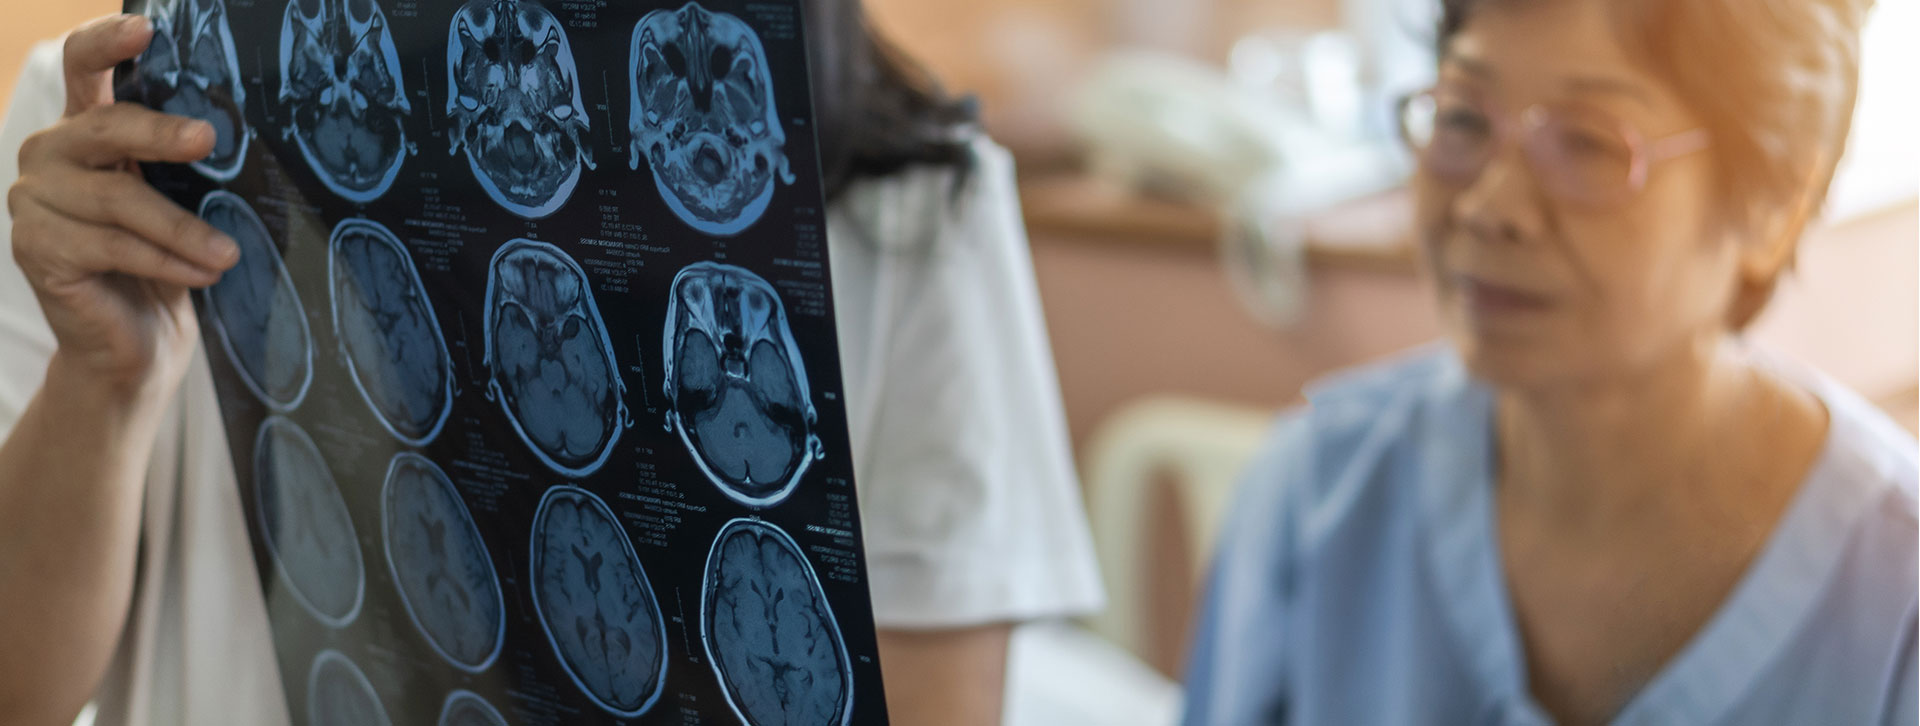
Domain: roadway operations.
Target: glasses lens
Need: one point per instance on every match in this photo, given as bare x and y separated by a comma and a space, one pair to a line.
1583, 157
1450, 132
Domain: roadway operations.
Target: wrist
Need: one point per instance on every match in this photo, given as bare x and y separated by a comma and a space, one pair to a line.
118, 404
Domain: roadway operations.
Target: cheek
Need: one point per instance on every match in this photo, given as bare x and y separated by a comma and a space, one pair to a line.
1659, 276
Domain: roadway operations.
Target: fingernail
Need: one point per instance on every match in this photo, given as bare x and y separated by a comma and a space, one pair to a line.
191, 131
223, 248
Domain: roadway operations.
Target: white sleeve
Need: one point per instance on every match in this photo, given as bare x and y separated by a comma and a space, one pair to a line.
26, 343
969, 499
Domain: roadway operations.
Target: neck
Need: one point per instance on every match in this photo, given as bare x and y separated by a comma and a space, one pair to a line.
1595, 451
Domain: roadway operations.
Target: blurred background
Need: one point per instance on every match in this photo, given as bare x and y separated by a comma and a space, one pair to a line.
1211, 190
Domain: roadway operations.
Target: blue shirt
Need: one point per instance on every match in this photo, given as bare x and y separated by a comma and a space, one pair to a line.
1359, 579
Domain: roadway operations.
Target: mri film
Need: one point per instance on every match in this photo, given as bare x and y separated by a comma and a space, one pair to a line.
552, 365
255, 310
191, 68
340, 80
703, 117
440, 564
388, 333
515, 104
595, 602
338, 694
466, 708
478, 241
769, 631
306, 525
735, 383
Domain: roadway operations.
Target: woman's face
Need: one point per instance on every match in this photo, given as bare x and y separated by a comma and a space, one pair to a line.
1537, 288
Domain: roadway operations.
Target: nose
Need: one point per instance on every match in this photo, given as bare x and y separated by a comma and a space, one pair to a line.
1504, 203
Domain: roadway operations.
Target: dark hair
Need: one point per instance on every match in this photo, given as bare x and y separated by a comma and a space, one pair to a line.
876, 110
1775, 83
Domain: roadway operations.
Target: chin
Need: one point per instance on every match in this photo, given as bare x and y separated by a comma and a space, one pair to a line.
1510, 362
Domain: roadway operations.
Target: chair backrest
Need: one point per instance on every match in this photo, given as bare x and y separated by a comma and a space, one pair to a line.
1198, 450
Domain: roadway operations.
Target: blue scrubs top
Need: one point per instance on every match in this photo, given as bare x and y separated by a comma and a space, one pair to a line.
1359, 579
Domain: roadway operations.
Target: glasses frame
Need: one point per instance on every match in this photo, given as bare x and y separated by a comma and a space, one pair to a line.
1644, 153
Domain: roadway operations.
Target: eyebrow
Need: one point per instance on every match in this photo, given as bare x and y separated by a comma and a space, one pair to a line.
1578, 84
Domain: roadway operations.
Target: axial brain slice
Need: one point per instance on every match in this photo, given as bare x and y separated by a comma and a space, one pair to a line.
553, 366
595, 602
339, 694
516, 104
769, 631
340, 79
256, 312
704, 119
465, 708
736, 383
305, 523
440, 564
191, 69
388, 330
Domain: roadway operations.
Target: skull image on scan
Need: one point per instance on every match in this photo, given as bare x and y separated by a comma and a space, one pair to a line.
255, 310
339, 694
388, 333
769, 632
340, 81
305, 523
553, 367
735, 384
466, 708
515, 104
595, 603
440, 564
703, 117
191, 69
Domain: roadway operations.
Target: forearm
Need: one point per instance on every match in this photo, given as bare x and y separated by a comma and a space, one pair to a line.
945, 677
71, 485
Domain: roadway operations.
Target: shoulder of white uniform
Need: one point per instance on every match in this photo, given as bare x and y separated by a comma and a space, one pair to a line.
914, 208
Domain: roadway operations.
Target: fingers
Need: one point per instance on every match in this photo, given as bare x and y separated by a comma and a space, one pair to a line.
123, 201
110, 136
93, 50
57, 250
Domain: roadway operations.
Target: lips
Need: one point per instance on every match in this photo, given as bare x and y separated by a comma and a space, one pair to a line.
1486, 298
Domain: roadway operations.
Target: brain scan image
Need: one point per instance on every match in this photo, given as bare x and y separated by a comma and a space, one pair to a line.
553, 366
515, 104
340, 79
339, 694
703, 117
769, 632
595, 603
440, 564
387, 330
305, 523
191, 69
735, 384
466, 708
256, 311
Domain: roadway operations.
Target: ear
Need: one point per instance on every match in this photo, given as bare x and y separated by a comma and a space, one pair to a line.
1766, 254
1777, 237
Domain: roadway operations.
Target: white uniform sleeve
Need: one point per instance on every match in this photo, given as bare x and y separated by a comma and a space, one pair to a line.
969, 499
26, 343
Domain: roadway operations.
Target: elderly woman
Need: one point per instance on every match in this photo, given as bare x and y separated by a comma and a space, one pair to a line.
1596, 504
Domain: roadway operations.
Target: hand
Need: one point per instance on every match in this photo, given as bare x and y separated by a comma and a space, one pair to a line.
110, 258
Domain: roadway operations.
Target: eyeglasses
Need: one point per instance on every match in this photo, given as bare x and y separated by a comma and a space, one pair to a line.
1576, 154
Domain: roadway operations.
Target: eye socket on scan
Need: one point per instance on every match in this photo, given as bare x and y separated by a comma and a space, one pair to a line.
676, 61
